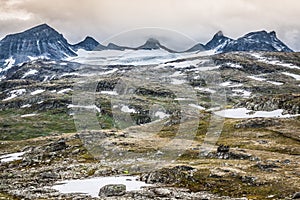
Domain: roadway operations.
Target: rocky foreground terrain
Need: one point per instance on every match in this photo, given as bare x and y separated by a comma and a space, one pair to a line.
153, 122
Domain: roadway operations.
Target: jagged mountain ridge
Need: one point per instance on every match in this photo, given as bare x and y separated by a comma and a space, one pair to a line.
40, 41
218, 41
257, 41
253, 41
43, 41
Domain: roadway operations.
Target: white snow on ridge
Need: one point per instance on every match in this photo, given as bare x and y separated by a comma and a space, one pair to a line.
243, 113
233, 65
26, 106
9, 63
37, 92
205, 90
29, 115
11, 157
243, 93
126, 109
108, 72
230, 84
14, 94
203, 69
178, 81
275, 83
274, 62
161, 115
109, 92
64, 91
197, 106
30, 72
70, 74
257, 78
184, 64
295, 76
86, 107
31, 58
225, 84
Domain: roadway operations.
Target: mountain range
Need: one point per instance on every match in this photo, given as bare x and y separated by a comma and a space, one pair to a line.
43, 41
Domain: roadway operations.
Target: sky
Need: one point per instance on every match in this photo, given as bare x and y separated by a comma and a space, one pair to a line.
176, 23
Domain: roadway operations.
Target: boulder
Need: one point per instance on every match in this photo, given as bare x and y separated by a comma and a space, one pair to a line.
162, 192
57, 145
296, 195
112, 190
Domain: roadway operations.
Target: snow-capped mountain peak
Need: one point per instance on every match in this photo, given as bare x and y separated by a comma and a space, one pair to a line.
253, 41
39, 41
218, 42
45, 42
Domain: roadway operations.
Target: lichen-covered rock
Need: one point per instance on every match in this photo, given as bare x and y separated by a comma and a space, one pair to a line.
112, 190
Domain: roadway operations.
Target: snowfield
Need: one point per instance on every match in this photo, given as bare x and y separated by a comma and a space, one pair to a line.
243, 113
136, 57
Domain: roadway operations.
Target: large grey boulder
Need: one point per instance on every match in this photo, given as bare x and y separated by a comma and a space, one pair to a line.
112, 190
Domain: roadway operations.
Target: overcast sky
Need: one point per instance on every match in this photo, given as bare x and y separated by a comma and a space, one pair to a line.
178, 22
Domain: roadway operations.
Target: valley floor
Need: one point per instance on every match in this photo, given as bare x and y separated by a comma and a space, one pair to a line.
223, 126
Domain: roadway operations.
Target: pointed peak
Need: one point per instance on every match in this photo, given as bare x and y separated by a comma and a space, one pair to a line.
39, 29
88, 44
219, 34
42, 27
273, 33
150, 44
111, 44
152, 40
89, 38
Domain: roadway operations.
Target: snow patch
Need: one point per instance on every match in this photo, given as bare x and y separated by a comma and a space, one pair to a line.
257, 78
197, 106
9, 63
64, 91
29, 115
178, 82
70, 74
274, 62
91, 186
161, 115
243, 113
275, 83
126, 109
233, 65
37, 92
85, 107
205, 90
14, 94
26, 106
243, 93
11, 157
109, 92
30, 72
295, 76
